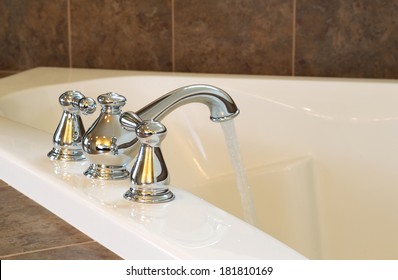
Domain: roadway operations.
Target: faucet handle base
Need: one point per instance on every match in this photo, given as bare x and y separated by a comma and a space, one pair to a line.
146, 195
66, 154
107, 172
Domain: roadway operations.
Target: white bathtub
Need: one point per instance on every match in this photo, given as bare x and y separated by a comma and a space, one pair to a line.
321, 157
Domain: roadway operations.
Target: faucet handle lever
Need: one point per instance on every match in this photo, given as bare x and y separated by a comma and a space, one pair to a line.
67, 139
130, 120
74, 101
149, 174
87, 105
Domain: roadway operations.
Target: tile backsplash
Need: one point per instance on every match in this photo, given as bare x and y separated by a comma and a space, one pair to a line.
339, 38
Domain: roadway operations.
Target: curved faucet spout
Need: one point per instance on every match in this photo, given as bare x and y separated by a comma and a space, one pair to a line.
221, 105
149, 175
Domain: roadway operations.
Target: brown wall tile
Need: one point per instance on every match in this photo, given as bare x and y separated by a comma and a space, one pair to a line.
347, 38
122, 34
33, 33
236, 36
7, 73
331, 38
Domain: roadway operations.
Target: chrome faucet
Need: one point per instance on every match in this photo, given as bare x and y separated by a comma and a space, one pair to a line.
115, 136
149, 175
221, 105
148, 184
106, 144
67, 139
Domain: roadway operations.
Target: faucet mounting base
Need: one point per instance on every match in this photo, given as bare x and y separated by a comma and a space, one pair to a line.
147, 196
66, 154
107, 172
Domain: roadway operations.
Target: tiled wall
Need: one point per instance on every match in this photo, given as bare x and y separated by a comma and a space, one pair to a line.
336, 38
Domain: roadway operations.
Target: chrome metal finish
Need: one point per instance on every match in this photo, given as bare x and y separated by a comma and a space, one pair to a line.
154, 196
111, 140
221, 105
130, 120
67, 138
149, 174
106, 144
107, 172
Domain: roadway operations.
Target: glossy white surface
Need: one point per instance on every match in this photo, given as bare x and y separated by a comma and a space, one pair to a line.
321, 157
187, 228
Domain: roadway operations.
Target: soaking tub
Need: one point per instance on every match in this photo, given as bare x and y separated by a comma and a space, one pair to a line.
320, 157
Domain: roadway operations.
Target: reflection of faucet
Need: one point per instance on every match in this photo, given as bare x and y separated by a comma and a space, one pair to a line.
149, 175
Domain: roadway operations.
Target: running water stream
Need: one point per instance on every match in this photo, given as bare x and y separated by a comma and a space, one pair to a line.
245, 192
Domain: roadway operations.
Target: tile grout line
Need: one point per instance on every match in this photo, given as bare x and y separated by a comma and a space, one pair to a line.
47, 249
68, 14
173, 66
294, 38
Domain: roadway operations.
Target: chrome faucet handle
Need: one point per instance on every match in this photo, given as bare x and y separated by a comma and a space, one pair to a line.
67, 139
74, 101
130, 120
149, 175
87, 105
